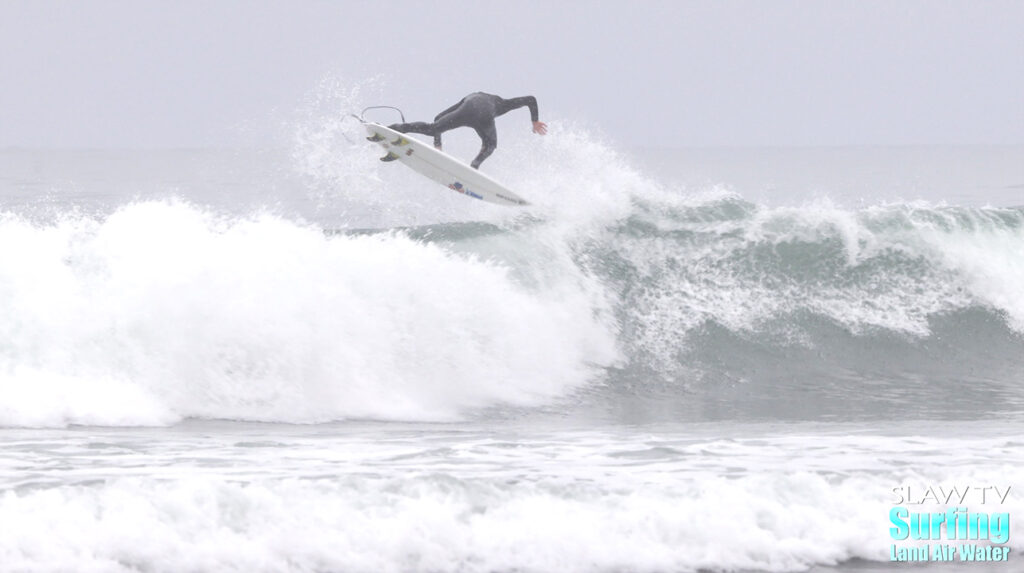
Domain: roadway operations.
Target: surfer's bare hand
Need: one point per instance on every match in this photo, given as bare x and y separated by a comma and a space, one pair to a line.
540, 127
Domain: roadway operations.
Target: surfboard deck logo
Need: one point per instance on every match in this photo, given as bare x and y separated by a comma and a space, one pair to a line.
462, 189
441, 167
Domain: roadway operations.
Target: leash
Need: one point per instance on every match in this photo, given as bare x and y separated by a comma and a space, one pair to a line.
360, 116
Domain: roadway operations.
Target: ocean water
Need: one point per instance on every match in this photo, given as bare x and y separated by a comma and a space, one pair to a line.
677, 360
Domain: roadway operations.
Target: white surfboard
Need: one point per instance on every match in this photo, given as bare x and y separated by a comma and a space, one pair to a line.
443, 168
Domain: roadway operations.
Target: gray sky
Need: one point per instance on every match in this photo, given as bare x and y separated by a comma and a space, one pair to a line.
107, 73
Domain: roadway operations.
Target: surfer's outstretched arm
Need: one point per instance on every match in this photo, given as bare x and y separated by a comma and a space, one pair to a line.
507, 105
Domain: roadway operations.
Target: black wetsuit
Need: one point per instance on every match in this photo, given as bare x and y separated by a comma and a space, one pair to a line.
476, 110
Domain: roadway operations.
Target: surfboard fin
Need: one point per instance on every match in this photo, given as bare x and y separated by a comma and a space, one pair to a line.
389, 157
400, 141
375, 138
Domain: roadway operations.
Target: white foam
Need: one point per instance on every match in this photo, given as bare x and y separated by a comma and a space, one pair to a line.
553, 502
164, 311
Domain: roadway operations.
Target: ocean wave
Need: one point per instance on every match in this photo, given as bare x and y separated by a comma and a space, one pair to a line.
614, 288
743, 267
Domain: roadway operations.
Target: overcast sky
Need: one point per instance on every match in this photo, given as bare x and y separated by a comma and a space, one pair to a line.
106, 73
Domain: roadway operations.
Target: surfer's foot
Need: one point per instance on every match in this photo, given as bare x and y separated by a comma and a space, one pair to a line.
399, 127
389, 157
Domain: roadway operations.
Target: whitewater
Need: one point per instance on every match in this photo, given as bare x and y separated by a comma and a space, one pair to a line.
307, 360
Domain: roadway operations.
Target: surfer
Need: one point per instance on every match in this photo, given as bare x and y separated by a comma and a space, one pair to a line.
477, 110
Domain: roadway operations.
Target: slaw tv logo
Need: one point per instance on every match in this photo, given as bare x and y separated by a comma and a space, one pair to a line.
941, 514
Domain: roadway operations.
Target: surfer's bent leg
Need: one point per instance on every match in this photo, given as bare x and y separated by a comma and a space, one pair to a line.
489, 139
414, 127
441, 124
